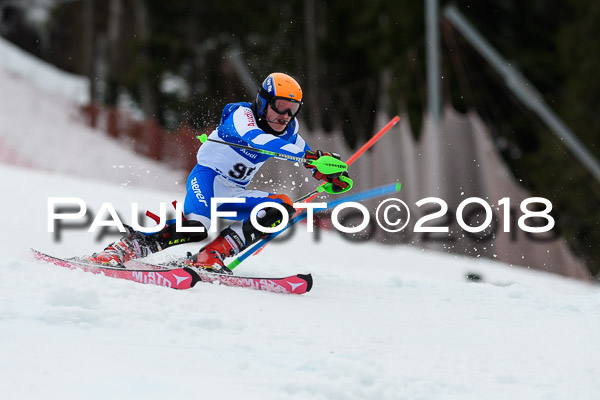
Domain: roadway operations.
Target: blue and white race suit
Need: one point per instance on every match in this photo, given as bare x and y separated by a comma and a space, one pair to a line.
225, 171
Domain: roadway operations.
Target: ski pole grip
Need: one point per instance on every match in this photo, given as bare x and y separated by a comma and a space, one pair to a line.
328, 165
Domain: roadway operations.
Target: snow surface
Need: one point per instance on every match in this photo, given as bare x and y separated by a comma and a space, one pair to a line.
44, 76
40, 127
380, 323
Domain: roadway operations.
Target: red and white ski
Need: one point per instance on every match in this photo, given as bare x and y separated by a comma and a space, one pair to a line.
182, 277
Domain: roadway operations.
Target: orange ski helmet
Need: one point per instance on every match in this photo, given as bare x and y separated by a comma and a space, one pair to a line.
279, 86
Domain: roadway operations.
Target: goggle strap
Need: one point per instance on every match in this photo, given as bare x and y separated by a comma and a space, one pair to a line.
267, 96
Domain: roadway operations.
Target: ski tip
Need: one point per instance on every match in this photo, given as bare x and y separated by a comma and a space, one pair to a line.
308, 279
398, 186
33, 253
202, 138
38, 255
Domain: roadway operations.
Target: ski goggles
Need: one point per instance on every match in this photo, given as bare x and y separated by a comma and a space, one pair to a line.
285, 106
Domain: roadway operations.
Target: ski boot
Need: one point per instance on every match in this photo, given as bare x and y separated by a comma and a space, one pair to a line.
212, 257
229, 242
132, 246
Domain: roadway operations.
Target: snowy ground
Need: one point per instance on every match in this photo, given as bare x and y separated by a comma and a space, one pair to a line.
41, 128
380, 323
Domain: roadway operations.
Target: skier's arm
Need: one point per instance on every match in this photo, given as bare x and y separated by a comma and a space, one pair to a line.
301, 143
243, 125
261, 140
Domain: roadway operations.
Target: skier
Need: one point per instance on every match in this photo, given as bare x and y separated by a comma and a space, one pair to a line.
269, 123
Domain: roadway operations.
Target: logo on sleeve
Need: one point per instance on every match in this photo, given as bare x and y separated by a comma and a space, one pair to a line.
198, 192
250, 117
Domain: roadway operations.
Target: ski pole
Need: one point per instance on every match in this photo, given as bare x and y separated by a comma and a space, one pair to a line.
324, 164
307, 198
361, 196
310, 196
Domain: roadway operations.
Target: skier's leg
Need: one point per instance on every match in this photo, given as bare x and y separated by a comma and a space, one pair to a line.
137, 244
200, 188
268, 217
242, 233
131, 246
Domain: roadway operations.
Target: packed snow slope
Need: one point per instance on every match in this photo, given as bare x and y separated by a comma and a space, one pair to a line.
380, 323
41, 127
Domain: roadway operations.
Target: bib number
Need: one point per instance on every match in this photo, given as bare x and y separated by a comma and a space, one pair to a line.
240, 171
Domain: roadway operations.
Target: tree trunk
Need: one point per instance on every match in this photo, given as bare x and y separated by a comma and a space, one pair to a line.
142, 20
113, 39
312, 75
89, 47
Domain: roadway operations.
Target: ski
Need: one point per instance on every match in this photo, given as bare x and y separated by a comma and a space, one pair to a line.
182, 277
296, 284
